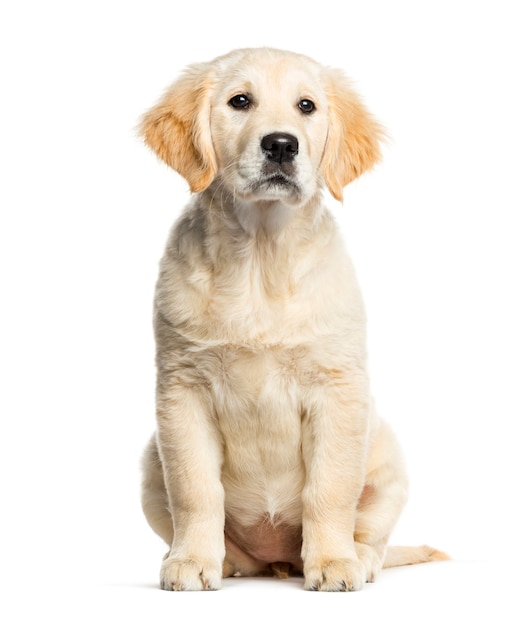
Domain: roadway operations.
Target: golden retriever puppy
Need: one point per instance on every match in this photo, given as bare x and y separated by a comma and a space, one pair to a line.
269, 455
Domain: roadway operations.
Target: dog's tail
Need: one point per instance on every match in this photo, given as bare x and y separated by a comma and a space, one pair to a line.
401, 555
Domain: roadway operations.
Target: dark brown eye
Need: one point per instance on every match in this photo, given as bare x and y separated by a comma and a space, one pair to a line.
240, 101
306, 106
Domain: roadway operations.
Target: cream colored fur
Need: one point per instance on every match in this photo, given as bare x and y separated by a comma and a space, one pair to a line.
269, 455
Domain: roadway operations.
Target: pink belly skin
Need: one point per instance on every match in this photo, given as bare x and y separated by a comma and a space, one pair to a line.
270, 545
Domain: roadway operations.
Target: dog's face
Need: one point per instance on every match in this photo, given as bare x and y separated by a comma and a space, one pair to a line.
270, 125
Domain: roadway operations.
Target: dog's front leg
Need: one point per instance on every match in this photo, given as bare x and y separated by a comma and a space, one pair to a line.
334, 438
191, 456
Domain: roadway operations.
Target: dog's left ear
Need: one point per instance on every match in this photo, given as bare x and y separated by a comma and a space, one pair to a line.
177, 129
353, 140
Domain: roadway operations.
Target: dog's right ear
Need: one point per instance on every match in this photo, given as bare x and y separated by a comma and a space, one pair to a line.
177, 128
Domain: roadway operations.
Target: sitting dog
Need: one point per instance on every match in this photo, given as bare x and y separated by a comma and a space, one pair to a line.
269, 456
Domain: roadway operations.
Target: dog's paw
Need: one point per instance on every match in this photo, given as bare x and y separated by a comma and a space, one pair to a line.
370, 559
335, 575
189, 575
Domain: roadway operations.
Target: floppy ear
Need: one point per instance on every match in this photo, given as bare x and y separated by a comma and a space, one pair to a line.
177, 129
353, 140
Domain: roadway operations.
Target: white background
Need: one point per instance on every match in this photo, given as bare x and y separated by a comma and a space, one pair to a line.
436, 233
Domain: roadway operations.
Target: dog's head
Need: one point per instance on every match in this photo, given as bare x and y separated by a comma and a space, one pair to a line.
271, 124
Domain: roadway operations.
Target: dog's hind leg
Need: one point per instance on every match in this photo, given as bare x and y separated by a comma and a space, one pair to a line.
380, 505
381, 502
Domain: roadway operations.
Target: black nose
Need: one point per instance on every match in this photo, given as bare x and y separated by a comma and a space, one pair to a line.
280, 147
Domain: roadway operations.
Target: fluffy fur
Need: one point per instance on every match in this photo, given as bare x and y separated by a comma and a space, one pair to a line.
269, 455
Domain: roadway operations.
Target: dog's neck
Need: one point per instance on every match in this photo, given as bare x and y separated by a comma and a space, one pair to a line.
268, 216
245, 287
252, 248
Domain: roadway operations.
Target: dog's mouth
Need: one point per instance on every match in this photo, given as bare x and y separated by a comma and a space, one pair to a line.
275, 184
282, 181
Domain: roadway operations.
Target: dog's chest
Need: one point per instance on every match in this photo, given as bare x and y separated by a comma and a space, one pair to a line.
256, 397
259, 300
